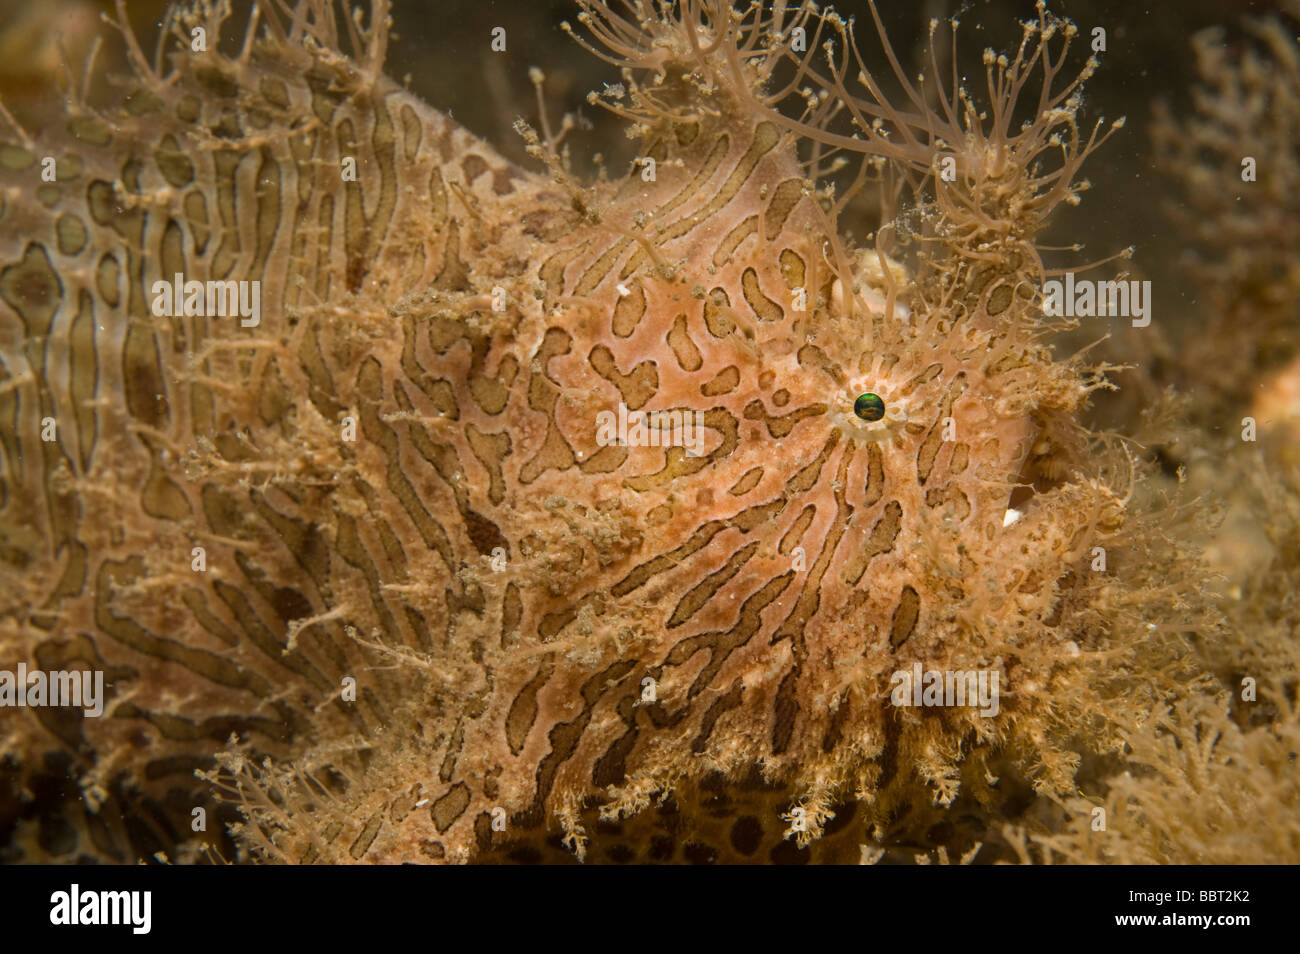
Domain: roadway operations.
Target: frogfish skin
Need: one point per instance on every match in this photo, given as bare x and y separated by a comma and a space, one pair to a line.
366, 577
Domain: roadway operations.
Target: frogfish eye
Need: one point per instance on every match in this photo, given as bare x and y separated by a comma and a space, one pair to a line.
869, 407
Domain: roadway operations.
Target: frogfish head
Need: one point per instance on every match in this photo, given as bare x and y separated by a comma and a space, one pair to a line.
839, 470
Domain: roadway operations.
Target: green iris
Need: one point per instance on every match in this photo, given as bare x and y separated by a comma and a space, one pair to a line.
869, 407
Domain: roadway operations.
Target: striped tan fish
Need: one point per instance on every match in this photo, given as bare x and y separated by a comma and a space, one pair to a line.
301, 387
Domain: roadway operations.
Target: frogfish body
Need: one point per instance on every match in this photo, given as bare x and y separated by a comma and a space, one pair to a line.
518, 498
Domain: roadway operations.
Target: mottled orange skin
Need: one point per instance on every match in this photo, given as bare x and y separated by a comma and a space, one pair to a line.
397, 482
